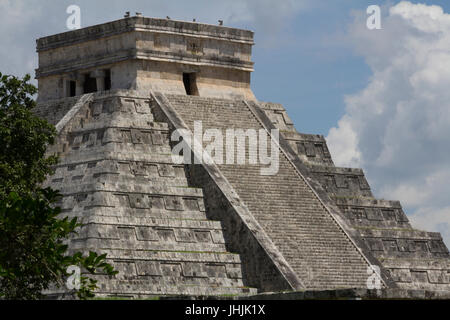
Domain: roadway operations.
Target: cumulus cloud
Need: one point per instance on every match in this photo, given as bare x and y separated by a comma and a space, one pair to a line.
398, 127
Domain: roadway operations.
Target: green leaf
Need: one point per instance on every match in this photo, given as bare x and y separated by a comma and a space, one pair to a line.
33, 254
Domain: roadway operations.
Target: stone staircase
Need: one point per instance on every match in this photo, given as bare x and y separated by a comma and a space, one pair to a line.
172, 229
306, 234
413, 258
117, 175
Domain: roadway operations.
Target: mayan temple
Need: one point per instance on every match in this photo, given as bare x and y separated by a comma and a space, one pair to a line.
117, 91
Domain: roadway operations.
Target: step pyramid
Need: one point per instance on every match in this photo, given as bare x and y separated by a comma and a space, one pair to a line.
117, 175
117, 92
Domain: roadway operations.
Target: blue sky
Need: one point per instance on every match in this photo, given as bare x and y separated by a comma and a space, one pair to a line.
313, 74
380, 96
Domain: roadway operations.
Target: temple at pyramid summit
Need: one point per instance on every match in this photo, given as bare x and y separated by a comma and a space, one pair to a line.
116, 93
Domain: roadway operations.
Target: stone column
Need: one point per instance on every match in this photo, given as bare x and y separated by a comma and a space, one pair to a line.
66, 87
66, 83
99, 76
80, 85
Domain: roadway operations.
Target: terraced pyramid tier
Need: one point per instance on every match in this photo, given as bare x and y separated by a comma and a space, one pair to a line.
202, 229
414, 259
117, 175
291, 214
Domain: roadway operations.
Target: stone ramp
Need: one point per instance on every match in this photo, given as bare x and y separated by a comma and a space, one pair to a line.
117, 175
304, 232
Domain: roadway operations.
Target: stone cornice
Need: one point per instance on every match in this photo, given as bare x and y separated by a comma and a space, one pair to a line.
130, 54
192, 29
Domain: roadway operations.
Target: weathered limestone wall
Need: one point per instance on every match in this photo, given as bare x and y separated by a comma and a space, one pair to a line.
123, 76
208, 229
303, 232
116, 174
148, 54
216, 82
263, 266
412, 258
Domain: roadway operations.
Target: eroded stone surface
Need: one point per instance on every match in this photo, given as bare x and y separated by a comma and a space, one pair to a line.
117, 91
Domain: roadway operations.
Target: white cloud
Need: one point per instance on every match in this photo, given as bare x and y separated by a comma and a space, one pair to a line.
398, 127
343, 141
433, 218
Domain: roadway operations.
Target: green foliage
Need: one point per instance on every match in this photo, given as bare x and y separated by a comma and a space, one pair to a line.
23, 138
34, 254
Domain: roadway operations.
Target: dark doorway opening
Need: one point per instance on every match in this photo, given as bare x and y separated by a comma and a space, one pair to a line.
72, 88
107, 79
90, 84
190, 83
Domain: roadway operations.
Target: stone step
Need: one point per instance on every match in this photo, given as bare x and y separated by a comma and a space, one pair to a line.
133, 204
187, 231
133, 244
118, 177
341, 181
424, 264
112, 180
107, 154
94, 192
394, 243
85, 213
126, 120
283, 204
394, 233
155, 282
119, 147
227, 258
141, 289
53, 111
368, 212
148, 221
371, 217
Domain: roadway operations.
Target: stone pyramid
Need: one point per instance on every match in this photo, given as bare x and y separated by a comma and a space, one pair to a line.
118, 91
